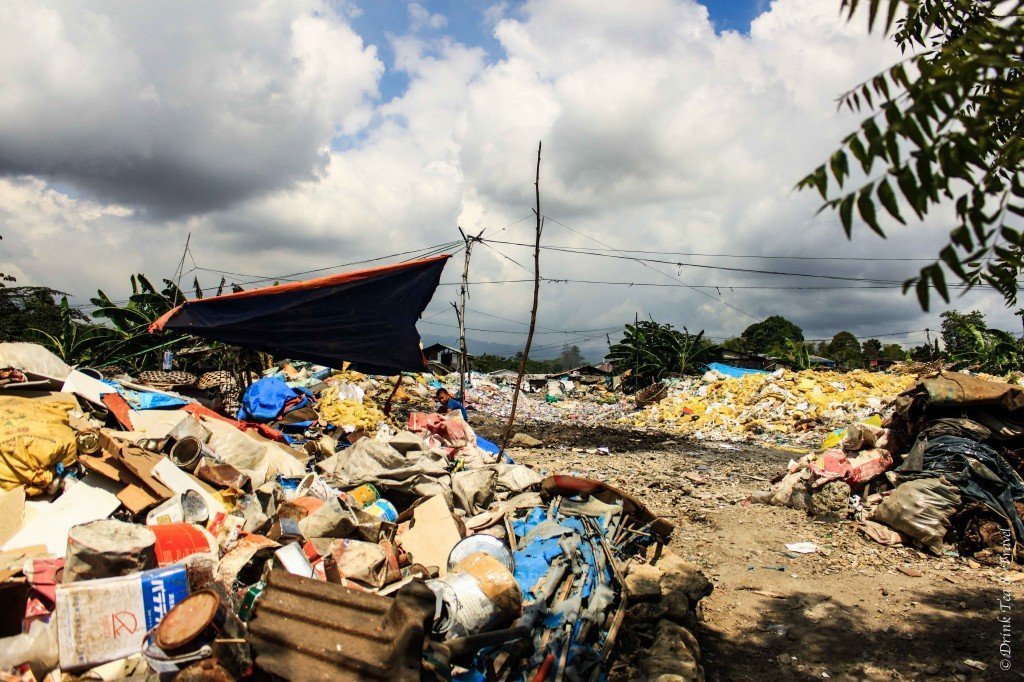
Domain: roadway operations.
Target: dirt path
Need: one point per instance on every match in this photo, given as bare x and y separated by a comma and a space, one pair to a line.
853, 610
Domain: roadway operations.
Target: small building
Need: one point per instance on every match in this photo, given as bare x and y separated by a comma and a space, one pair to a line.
446, 356
503, 376
585, 374
742, 359
818, 362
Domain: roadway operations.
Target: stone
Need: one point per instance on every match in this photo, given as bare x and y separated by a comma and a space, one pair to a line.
681, 576
522, 440
674, 655
831, 502
643, 582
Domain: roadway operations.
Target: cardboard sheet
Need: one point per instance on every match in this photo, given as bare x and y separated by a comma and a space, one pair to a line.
433, 534
91, 499
12, 513
137, 494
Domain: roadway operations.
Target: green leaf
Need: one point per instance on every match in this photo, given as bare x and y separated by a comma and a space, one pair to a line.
866, 208
846, 214
888, 199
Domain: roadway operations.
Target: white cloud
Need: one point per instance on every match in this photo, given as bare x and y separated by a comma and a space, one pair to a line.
659, 134
421, 18
180, 107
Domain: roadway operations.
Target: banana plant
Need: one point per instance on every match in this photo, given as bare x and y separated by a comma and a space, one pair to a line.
653, 350
798, 354
127, 340
74, 343
989, 350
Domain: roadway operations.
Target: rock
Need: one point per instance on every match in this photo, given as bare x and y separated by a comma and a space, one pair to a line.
831, 502
522, 440
681, 576
674, 655
643, 582
646, 612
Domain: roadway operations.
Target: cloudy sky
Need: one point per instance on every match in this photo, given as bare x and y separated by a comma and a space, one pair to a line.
296, 136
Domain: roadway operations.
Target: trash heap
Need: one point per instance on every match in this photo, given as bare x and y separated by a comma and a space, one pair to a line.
578, 404
306, 536
778, 408
943, 472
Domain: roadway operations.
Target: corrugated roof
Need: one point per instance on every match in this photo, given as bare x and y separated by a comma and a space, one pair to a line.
305, 629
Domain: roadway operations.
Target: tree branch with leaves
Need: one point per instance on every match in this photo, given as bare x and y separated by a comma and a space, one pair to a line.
944, 128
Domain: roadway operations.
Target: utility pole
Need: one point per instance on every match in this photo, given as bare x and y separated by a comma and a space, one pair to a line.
533, 311
460, 313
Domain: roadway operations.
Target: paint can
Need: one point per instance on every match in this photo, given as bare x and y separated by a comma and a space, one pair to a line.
176, 541
194, 621
186, 634
189, 507
480, 595
185, 453
289, 486
315, 486
382, 509
364, 495
190, 427
88, 442
488, 544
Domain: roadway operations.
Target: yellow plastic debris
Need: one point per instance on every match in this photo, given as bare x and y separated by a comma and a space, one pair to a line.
34, 437
793, 403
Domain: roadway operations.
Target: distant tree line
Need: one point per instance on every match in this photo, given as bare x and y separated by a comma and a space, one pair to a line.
569, 358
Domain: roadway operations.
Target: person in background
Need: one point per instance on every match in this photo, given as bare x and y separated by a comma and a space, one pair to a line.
449, 404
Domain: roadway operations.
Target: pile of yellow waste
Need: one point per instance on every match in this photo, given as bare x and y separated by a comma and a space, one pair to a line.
782, 407
348, 414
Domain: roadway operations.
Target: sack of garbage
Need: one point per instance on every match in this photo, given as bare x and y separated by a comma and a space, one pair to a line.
34, 437
920, 509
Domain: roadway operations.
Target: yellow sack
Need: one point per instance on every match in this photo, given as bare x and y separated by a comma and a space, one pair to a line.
34, 437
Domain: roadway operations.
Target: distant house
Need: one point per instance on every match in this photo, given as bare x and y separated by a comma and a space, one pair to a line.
446, 356
503, 376
585, 374
743, 360
818, 362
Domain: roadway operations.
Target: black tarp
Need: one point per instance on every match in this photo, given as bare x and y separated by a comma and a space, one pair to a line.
367, 317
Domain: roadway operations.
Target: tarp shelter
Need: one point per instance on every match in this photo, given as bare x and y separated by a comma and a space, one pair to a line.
367, 317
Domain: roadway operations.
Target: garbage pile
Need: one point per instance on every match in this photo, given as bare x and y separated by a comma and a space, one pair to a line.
305, 536
777, 408
554, 401
943, 472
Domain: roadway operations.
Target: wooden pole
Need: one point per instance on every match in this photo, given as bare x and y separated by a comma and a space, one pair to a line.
460, 313
387, 403
533, 311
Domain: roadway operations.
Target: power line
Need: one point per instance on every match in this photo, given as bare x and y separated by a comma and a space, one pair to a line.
736, 255
709, 267
702, 293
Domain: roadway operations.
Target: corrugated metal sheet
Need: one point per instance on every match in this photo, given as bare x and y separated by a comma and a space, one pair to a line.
305, 629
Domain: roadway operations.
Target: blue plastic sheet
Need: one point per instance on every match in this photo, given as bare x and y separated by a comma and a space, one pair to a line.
265, 400
143, 400
730, 371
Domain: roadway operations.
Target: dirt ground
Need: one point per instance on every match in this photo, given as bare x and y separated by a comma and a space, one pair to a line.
853, 610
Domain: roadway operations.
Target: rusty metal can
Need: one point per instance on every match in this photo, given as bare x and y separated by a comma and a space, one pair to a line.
88, 442
194, 622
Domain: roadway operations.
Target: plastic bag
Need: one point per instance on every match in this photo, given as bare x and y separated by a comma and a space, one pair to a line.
920, 509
